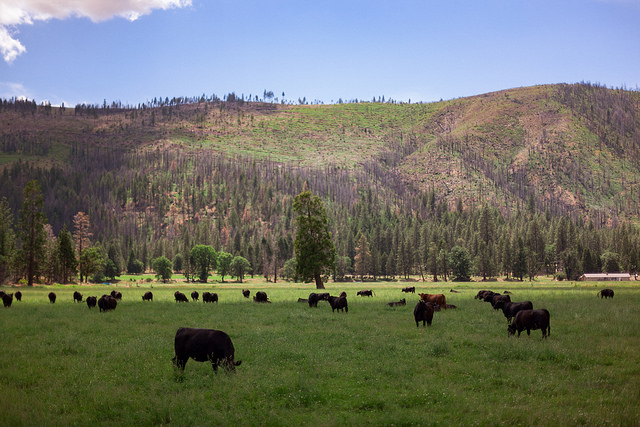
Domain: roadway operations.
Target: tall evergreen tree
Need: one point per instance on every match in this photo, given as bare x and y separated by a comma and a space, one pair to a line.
7, 239
67, 255
32, 235
81, 236
363, 255
315, 252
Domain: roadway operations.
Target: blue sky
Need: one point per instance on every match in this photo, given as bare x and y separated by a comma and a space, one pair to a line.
321, 50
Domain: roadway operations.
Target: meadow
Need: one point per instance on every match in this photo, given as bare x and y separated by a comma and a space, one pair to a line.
63, 364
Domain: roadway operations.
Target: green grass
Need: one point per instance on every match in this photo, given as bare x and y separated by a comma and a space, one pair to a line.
63, 364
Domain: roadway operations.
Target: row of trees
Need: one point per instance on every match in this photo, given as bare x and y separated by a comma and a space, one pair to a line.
35, 252
454, 247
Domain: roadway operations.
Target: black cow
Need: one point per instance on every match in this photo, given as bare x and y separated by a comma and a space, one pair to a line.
204, 345
148, 296
409, 289
605, 293
116, 294
530, 319
209, 297
91, 302
365, 293
52, 297
339, 303
313, 299
195, 295
397, 303
2, 293
180, 297
246, 293
497, 300
303, 300
423, 312
7, 299
261, 297
18, 296
77, 297
107, 303
510, 309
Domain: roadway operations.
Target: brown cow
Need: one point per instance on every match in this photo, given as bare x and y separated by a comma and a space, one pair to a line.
439, 299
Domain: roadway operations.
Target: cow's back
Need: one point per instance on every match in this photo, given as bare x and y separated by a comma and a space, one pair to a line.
200, 344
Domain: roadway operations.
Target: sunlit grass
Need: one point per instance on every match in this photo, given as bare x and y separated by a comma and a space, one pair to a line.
65, 364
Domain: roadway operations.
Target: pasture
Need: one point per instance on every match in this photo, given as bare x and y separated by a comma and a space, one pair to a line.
63, 364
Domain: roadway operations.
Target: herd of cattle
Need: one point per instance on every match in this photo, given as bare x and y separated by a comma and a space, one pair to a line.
216, 347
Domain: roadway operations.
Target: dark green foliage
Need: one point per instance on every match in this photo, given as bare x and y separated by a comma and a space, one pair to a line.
239, 266
203, 258
460, 263
163, 268
67, 255
134, 265
223, 264
31, 232
92, 262
315, 252
7, 239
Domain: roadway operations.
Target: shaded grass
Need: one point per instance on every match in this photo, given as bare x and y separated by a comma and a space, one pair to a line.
64, 364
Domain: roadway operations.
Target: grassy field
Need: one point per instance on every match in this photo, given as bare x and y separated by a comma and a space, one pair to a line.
63, 364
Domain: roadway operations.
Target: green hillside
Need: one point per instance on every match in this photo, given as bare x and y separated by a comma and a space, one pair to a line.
225, 172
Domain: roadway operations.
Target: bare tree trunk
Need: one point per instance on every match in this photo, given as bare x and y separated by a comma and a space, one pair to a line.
319, 284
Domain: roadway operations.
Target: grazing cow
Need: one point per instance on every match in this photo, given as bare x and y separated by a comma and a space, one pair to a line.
18, 296
530, 319
454, 291
246, 293
148, 296
423, 312
339, 303
52, 297
116, 294
397, 303
180, 297
365, 293
204, 345
7, 299
605, 293
209, 297
2, 293
261, 297
107, 303
77, 297
409, 289
510, 309
195, 295
439, 299
449, 306
303, 300
485, 295
497, 300
91, 302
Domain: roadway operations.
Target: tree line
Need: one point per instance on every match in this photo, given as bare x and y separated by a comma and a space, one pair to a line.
371, 239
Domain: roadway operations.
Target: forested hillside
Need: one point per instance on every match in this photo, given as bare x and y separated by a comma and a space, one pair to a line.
522, 180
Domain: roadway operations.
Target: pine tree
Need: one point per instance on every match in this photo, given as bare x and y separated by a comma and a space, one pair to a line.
81, 236
362, 259
32, 235
315, 252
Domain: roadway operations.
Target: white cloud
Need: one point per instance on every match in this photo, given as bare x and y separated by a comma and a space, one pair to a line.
25, 12
14, 90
